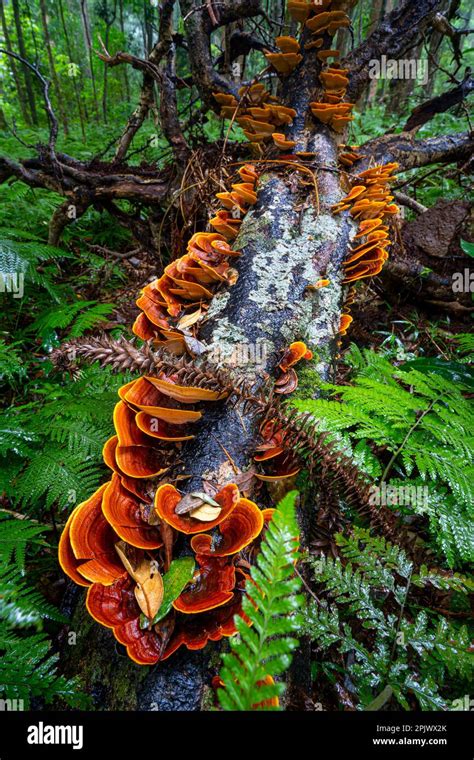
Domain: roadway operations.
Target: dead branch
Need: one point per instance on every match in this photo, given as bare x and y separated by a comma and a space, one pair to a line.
440, 104
412, 154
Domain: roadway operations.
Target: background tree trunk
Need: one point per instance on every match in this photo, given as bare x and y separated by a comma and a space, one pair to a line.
13, 66
26, 72
52, 68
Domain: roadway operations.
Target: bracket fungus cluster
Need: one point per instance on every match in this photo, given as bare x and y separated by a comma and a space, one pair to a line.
162, 570
175, 301
370, 203
324, 24
274, 454
348, 155
289, 58
259, 114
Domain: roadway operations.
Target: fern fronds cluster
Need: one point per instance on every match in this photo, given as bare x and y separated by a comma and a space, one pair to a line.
419, 427
369, 615
27, 663
263, 647
50, 452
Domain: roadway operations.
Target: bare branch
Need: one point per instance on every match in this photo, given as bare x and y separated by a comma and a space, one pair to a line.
45, 84
411, 153
440, 104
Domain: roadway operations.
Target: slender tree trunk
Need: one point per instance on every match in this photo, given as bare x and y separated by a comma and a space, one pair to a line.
109, 21
71, 58
52, 68
378, 10
124, 68
26, 72
13, 67
86, 28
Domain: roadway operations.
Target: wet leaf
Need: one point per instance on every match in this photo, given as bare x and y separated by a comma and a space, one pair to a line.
205, 497
206, 513
133, 561
178, 576
454, 371
189, 319
187, 504
150, 591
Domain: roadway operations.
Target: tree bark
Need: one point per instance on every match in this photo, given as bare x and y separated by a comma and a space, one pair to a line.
52, 68
71, 59
16, 77
26, 73
86, 29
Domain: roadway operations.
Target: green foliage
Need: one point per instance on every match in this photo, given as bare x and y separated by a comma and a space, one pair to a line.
264, 644
369, 613
414, 425
52, 448
27, 665
14, 535
51, 436
83, 314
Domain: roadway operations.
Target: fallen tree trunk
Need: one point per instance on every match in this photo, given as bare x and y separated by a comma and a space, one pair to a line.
288, 240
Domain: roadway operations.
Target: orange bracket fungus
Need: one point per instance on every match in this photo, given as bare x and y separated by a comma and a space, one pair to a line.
369, 202
289, 57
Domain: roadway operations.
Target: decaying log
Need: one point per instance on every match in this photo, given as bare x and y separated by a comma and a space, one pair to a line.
288, 240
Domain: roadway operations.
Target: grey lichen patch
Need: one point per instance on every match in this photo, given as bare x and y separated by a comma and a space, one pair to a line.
275, 264
225, 337
218, 304
324, 228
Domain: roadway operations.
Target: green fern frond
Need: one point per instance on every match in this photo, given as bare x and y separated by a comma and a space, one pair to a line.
368, 611
423, 420
264, 645
28, 670
85, 441
92, 316
12, 365
82, 315
14, 536
22, 606
20, 257
55, 475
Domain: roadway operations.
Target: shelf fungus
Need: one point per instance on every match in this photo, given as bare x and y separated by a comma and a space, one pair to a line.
288, 59
369, 202
237, 531
281, 142
172, 305
258, 112
328, 21
86, 547
345, 322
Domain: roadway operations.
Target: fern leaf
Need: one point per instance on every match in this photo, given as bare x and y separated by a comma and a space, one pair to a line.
265, 647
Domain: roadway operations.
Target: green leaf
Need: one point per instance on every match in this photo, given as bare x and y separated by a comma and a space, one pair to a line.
454, 371
467, 247
264, 647
178, 576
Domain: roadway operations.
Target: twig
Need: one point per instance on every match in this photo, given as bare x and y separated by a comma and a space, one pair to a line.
53, 122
